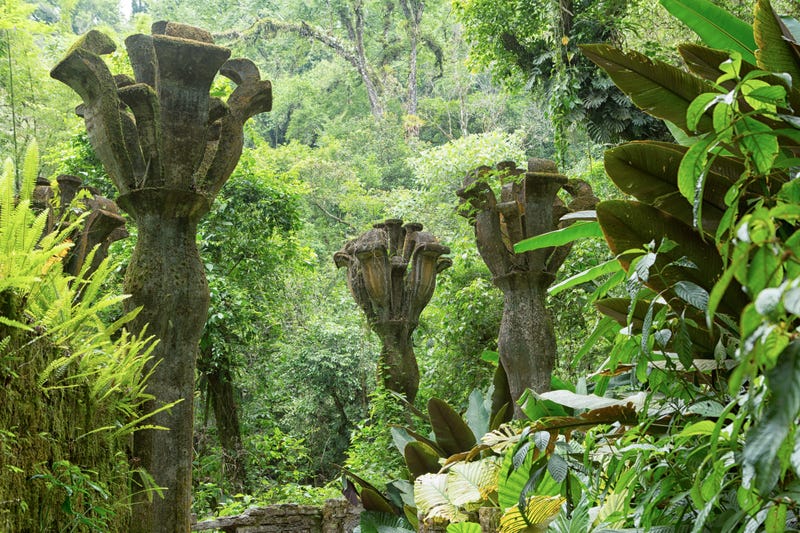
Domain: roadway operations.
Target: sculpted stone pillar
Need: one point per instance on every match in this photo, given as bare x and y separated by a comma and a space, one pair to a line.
168, 147
391, 295
528, 206
102, 226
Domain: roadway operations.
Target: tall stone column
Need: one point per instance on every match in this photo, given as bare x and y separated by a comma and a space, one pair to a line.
168, 147
529, 205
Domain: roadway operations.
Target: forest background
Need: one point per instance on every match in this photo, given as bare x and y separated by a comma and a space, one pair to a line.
380, 109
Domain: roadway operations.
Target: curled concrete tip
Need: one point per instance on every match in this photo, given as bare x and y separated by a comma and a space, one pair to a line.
123, 80
95, 42
240, 70
542, 165
181, 31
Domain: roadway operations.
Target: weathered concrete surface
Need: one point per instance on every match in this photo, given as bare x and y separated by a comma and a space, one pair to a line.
336, 516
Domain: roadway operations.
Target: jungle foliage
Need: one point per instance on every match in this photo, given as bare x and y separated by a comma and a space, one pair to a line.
673, 406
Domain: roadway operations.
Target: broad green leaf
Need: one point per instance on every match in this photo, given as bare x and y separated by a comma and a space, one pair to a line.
702, 60
692, 170
704, 427
630, 225
478, 414
775, 53
715, 26
759, 142
401, 438
578, 230
373, 500
698, 108
776, 519
377, 522
421, 459
502, 403
590, 274
649, 172
453, 435
708, 408
768, 434
464, 527
657, 88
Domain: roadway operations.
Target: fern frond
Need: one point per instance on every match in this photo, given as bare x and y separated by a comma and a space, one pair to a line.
30, 170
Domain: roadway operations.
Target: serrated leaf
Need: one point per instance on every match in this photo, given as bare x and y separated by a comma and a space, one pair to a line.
692, 294
558, 468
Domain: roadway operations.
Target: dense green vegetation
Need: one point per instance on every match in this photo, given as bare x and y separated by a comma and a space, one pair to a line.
675, 390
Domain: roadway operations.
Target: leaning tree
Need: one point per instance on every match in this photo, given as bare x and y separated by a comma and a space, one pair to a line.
529, 205
168, 147
391, 295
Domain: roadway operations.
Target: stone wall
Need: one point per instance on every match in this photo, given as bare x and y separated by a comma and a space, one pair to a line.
336, 516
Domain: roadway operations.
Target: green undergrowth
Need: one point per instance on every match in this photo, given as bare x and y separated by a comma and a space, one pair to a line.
70, 383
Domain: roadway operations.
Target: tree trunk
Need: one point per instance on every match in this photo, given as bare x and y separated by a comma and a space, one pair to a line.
226, 414
165, 276
398, 365
412, 10
526, 343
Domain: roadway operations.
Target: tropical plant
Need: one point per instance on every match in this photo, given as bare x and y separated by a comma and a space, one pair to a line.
79, 393
710, 255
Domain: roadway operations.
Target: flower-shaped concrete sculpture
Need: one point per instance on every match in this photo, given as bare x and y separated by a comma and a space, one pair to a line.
103, 224
528, 206
169, 147
392, 295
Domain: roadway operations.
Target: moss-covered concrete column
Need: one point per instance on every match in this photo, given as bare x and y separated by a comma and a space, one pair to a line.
391, 295
168, 147
529, 205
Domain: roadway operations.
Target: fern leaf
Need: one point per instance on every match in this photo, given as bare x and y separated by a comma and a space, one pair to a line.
30, 170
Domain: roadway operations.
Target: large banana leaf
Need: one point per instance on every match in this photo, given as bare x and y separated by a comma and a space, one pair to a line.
717, 27
630, 225
453, 435
776, 52
649, 172
705, 63
657, 88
